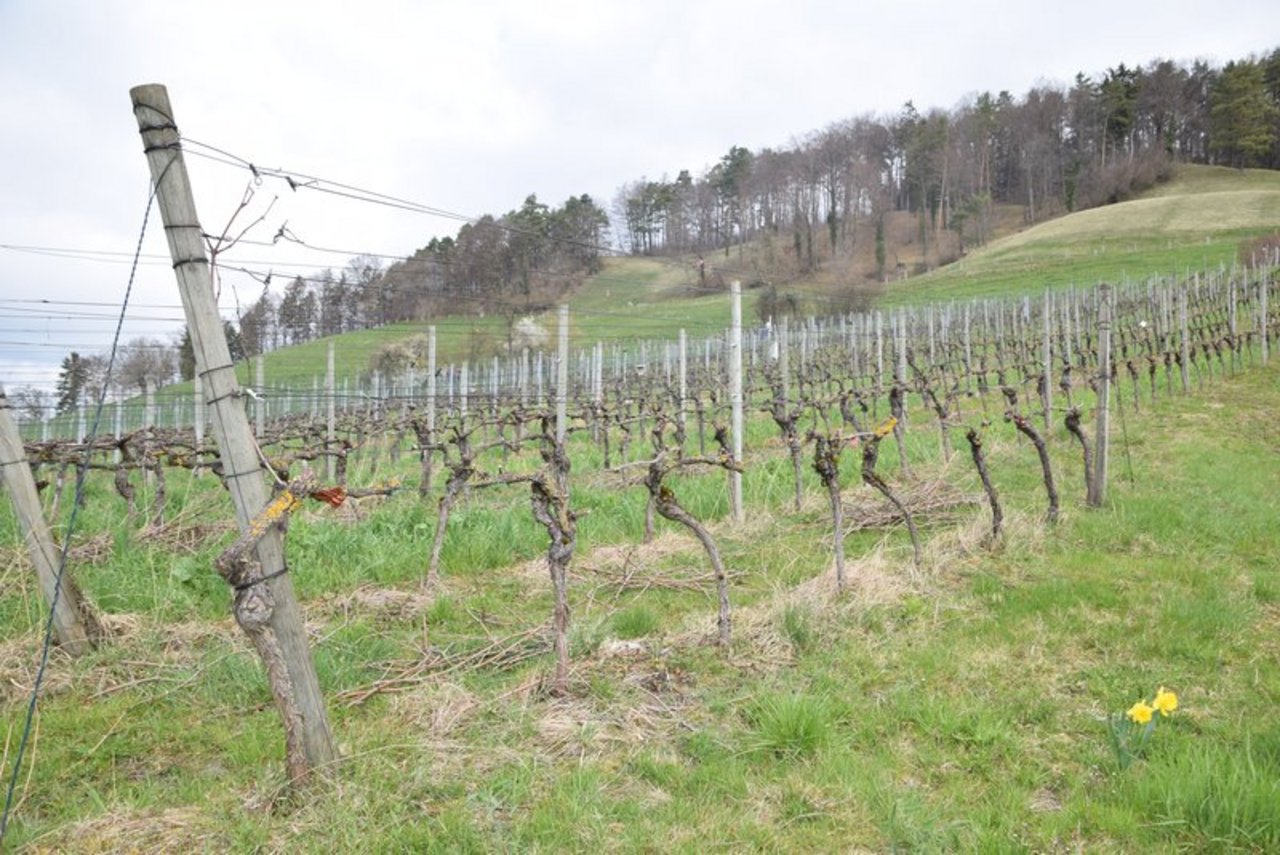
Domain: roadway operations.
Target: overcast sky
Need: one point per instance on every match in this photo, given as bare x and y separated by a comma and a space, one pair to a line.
467, 106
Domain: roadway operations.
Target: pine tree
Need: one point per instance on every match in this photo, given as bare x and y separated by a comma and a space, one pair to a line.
1242, 118
71, 381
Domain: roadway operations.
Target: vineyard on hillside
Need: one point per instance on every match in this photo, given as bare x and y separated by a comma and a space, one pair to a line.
882, 399
877, 579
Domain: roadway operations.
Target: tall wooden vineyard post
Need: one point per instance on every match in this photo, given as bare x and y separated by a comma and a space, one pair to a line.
309, 743
562, 373
1095, 498
735, 398
73, 624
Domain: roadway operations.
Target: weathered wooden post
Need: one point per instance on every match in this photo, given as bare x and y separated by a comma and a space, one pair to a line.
73, 623
735, 398
539, 374
118, 413
1099, 491
784, 360
1263, 285
330, 416
684, 379
1046, 362
432, 391
265, 606
1232, 320
597, 375
259, 405
198, 419
562, 374
1183, 342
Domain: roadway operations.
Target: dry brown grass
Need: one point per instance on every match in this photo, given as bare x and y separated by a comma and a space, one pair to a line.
372, 600
932, 502
182, 829
436, 710
583, 729
142, 653
19, 662
179, 536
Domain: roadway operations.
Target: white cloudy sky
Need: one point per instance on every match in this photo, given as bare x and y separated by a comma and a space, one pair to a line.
469, 106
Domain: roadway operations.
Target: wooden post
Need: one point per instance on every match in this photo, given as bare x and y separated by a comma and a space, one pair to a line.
684, 377
539, 372
1183, 343
804, 349
118, 407
597, 374
784, 363
900, 341
735, 396
259, 383
74, 632
149, 422
1066, 332
1263, 284
879, 354
330, 416
495, 384
464, 384
1099, 492
198, 417
968, 348
265, 607
1046, 360
562, 375
524, 376
1234, 325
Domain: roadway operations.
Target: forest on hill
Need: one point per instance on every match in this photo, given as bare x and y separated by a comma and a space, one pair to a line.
1051, 151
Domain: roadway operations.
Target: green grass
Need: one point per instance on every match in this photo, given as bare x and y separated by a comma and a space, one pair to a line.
790, 726
958, 708
635, 622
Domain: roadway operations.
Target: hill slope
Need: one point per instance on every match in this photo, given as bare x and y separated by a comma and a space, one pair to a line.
1196, 221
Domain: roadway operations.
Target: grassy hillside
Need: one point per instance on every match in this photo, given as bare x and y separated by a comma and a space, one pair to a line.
1194, 222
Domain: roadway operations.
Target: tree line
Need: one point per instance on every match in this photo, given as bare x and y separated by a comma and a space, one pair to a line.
1054, 150
515, 264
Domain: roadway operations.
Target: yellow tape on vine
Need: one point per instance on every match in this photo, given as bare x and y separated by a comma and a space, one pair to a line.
886, 427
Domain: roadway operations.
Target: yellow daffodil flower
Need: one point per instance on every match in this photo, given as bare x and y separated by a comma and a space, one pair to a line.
1140, 713
1166, 701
